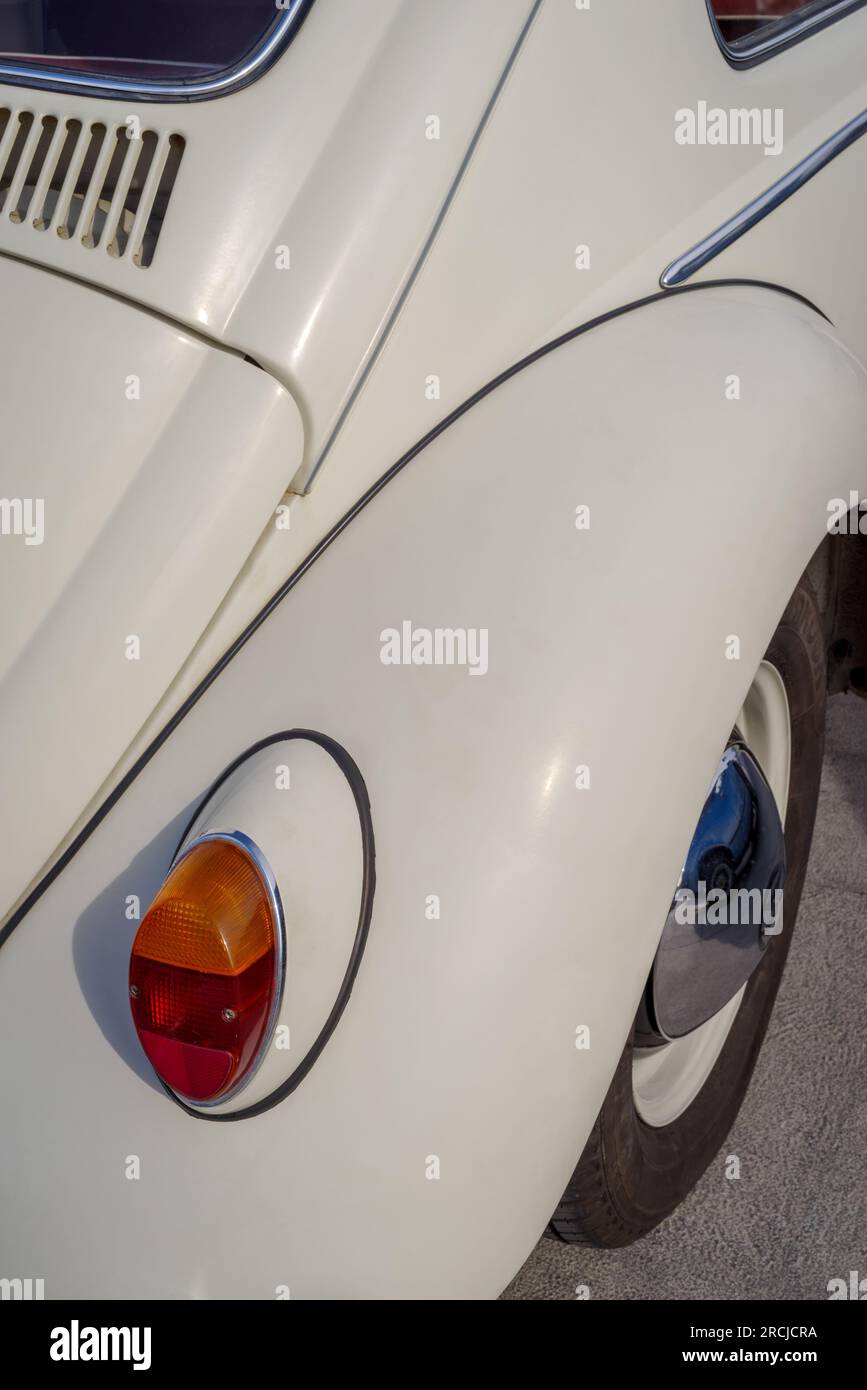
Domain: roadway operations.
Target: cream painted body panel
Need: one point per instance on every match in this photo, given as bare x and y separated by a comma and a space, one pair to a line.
326, 155
580, 149
408, 261
159, 460
459, 1038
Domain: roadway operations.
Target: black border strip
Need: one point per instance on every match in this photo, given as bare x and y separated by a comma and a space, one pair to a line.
339, 526
351, 772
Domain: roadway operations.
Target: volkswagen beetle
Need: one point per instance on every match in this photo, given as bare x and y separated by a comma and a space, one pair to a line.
421, 425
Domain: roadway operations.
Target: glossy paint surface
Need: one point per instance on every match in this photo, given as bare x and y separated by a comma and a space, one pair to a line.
459, 1040
418, 268
158, 461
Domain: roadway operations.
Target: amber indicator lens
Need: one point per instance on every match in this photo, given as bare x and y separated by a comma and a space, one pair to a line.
205, 971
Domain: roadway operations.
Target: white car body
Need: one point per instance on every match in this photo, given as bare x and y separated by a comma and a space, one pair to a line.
419, 270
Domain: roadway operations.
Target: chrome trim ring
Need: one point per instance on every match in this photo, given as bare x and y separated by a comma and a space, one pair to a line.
752, 213
219, 84
252, 850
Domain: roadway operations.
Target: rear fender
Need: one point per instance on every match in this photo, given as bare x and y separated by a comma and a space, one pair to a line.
519, 898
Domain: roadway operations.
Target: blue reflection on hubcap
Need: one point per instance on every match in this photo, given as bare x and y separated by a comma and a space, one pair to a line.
727, 903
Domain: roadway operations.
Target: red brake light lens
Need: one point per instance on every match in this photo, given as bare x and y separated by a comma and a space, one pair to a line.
206, 971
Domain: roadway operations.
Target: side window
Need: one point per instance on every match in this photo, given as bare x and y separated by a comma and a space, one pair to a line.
746, 26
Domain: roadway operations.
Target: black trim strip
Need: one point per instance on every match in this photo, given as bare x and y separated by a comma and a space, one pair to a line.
351, 772
330, 536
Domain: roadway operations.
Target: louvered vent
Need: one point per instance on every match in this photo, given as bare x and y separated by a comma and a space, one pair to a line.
105, 186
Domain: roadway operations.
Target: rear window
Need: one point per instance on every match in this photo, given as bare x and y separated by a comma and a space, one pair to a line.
163, 40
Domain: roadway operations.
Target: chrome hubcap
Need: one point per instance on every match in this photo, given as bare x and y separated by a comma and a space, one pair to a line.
726, 904
668, 1075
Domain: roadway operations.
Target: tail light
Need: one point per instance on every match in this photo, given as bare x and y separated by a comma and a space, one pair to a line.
206, 971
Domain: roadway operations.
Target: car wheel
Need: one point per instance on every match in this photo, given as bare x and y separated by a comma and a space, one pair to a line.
677, 1089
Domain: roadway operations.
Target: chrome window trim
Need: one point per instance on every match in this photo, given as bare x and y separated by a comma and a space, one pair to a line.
754, 212
218, 84
266, 874
789, 31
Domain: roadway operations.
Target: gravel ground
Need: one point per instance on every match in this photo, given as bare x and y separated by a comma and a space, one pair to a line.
797, 1216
